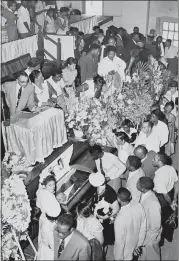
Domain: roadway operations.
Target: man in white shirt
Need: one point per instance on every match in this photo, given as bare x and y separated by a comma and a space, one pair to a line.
148, 138
160, 129
69, 244
111, 64
133, 164
129, 227
23, 21
170, 51
166, 188
152, 209
109, 165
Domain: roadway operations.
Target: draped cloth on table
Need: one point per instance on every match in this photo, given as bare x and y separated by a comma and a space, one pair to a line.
86, 26
18, 48
36, 140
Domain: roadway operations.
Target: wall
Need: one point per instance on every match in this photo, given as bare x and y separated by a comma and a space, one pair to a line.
160, 9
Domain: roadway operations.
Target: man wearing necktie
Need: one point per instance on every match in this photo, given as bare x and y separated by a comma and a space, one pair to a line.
109, 165
19, 94
69, 244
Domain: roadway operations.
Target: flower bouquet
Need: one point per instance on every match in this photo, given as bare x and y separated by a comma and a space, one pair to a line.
15, 215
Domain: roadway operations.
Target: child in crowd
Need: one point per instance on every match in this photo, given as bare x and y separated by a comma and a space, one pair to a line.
49, 25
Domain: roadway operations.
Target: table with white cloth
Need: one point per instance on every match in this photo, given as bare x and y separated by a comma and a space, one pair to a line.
86, 24
35, 135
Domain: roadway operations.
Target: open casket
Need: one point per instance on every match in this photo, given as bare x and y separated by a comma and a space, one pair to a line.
72, 183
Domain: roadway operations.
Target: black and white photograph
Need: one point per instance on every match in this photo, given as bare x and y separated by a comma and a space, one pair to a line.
89, 130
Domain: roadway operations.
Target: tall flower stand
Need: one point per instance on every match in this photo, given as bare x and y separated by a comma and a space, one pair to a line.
19, 247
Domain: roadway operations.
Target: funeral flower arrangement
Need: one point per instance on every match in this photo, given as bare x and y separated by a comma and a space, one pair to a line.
89, 116
16, 215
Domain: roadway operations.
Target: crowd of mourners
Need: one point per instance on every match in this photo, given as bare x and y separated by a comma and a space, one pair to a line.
135, 204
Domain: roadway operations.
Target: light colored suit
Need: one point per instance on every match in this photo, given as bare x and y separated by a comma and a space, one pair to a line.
26, 99
153, 215
147, 165
130, 231
78, 248
131, 184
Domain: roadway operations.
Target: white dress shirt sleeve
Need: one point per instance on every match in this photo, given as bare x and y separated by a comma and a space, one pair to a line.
143, 227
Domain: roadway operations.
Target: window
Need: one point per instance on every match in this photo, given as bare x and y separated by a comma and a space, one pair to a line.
94, 7
170, 31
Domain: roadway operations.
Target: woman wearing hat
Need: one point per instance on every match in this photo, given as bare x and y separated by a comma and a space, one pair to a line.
50, 209
104, 205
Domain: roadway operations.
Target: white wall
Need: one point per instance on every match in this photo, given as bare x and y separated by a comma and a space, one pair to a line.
160, 9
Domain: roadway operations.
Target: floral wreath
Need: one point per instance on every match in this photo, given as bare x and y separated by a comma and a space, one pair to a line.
16, 215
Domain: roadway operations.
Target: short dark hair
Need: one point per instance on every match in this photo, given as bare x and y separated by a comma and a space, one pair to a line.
99, 79
48, 179
149, 123
143, 148
171, 103
134, 162
22, 73
81, 34
169, 41
75, 29
124, 195
66, 219
121, 29
34, 74
127, 122
146, 183
33, 62
101, 31
122, 135
174, 84
70, 61
64, 9
10, 3
164, 158
157, 113
95, 148
111, 49
159, 37
56, 71
94, 46
96, 27
136, 27
83, 209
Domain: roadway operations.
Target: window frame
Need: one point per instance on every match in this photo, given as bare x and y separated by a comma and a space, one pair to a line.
159, 24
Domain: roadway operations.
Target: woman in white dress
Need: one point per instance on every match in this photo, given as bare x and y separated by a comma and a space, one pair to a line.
50, 209
90, 227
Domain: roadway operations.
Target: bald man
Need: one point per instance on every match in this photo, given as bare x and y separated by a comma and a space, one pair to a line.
152, 209
146, 159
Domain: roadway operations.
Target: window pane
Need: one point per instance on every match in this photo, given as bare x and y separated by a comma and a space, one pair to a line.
175, 43
176, 36
165, 34
170, 35
171, 26
176, 27
165, 26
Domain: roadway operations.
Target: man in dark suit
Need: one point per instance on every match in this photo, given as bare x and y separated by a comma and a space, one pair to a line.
119, 37
136, 31
130, 42
69, 244
146, 160
121, 52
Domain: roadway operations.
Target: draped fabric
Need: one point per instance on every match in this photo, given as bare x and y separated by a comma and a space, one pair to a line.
86, 26
36, 140
18, 48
